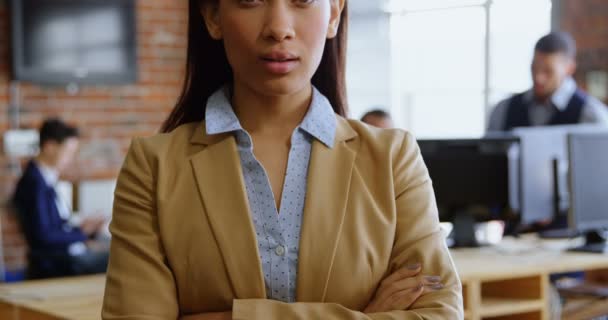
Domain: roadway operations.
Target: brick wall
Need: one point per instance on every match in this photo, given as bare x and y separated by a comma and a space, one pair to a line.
108, 116
587, 20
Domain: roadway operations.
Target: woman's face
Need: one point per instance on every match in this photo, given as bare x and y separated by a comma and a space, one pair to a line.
273, 46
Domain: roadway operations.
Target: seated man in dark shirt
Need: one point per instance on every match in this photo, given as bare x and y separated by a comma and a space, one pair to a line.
554, 98
57, 247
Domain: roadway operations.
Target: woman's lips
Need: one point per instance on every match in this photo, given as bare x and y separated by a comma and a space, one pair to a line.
280, 67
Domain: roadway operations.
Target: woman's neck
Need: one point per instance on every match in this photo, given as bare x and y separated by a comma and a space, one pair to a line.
263, 114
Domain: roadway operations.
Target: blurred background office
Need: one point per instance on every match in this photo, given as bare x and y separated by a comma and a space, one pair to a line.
114, 69
441, 66
438, 67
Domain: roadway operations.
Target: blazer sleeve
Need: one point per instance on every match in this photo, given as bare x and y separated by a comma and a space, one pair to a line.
140, 284
37, 215
418, 238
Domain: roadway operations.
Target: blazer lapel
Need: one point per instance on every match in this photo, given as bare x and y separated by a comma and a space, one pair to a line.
217, 171
329, 179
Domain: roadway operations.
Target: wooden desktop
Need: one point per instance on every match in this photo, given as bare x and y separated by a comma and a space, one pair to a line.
497, 285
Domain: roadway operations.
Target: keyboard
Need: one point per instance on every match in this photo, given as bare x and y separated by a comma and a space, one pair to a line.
594, 248
559, 234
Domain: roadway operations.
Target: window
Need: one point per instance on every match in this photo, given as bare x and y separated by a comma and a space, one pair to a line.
443, 71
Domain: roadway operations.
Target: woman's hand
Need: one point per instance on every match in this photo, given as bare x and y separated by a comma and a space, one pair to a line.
209, 316
401, 289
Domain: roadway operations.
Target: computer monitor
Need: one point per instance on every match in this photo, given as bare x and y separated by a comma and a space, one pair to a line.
544, 194
472, 181
588, 155
543, 165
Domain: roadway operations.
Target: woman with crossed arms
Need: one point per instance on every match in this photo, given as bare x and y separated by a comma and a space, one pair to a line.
261, 201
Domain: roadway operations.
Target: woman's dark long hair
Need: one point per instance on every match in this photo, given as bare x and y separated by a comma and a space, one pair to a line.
207, 69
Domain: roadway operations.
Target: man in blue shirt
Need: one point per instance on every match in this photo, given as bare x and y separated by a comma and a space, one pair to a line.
56, 246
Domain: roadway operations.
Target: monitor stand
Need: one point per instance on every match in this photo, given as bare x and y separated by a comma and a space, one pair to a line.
595, 242
463, 233
558, 229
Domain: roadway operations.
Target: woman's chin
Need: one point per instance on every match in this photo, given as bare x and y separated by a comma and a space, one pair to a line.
281, 86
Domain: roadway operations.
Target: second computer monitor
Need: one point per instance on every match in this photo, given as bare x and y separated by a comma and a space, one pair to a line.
588, 181
544, 192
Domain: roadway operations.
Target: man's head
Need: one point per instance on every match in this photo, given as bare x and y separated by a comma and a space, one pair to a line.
378, 118
58, 143
554, 61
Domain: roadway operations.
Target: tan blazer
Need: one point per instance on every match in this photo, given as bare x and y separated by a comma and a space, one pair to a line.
184, 243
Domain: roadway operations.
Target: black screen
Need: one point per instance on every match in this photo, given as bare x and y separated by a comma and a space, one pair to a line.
62, 41
471, 175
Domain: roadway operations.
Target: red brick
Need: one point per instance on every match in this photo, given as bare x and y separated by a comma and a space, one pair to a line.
102, 112
587, 20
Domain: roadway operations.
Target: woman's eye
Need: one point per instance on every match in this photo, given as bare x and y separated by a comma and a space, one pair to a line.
250, 2
304, 2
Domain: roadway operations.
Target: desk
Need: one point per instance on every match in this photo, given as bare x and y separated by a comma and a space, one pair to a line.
504, 286
77, 298
496, 286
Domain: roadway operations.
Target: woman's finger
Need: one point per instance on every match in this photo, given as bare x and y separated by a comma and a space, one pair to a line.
402, 299
403, 273
407, 283
405, 298
408, 298
406, 272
